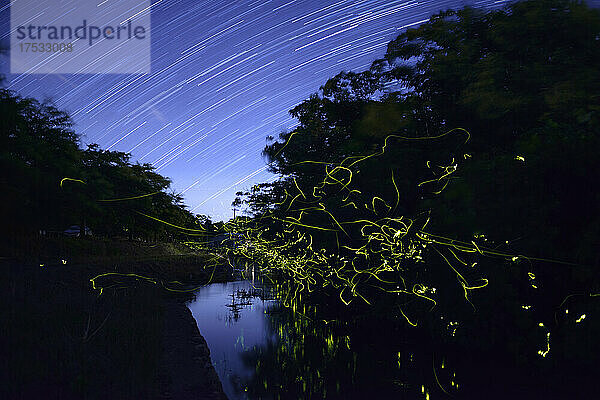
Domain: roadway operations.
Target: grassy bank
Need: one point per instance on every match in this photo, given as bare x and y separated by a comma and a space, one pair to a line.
92, 256
53, 250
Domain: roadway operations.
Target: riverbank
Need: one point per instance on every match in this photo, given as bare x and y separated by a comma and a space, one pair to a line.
186, 371
61, 339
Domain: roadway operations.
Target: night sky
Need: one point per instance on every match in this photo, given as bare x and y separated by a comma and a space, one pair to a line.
224, 75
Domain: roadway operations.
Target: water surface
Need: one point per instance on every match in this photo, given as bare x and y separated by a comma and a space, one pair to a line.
233, 322
262, 350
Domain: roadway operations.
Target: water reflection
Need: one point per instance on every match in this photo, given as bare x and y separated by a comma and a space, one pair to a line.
232, 319
262, 350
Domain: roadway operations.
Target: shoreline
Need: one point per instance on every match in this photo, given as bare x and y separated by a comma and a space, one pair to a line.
186, 371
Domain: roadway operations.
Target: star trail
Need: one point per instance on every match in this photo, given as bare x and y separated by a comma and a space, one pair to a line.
223, 77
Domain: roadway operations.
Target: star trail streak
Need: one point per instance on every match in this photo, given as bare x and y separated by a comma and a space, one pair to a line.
224, 75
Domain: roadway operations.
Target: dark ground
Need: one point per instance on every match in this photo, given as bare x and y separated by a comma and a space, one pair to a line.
60, 339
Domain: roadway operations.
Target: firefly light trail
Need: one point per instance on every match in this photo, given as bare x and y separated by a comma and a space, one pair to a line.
387, 259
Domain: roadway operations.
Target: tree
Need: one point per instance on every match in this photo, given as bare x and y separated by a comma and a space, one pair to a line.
481, 128
50, 183
523, 81
38, 149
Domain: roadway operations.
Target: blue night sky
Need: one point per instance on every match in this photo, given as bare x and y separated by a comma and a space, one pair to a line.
224, 75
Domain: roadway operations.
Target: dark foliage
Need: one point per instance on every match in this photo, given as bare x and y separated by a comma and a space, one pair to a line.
523, 81
38, 148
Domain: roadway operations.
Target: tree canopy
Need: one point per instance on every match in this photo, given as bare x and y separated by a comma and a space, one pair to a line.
103, 189
524, 82
463, 158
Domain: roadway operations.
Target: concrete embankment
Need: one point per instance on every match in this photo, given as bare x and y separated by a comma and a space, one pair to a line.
186, 368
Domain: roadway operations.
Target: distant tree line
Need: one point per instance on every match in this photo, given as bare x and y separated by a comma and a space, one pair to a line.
103, 190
